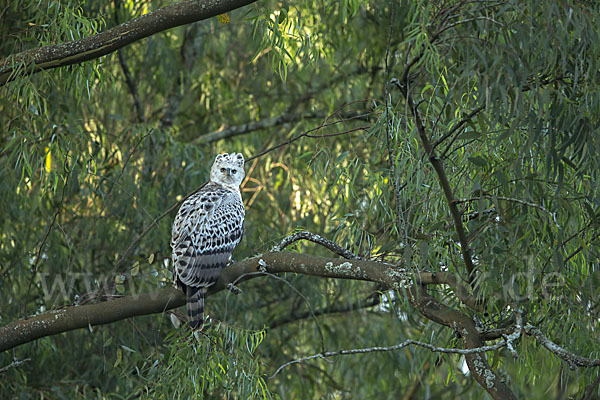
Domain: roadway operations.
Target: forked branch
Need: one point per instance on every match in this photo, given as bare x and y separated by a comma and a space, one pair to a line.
438, 166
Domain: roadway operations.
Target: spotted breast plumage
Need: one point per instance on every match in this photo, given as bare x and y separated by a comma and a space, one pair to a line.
208, 226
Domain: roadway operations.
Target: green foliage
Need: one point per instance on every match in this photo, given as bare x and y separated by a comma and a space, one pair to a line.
83, 172
218, 363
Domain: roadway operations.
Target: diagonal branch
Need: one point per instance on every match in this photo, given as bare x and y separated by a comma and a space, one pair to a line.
89, 48
456, 127
14, 364
132, 87
225, 133
572, 360
438, 166
236, 130
304, 235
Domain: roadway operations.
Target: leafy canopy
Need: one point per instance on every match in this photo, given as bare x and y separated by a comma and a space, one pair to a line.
91, 154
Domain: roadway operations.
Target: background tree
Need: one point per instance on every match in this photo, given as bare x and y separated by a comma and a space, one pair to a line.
448, 150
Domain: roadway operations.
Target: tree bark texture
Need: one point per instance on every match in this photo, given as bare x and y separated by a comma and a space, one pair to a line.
85, 316
77, 317
77, 51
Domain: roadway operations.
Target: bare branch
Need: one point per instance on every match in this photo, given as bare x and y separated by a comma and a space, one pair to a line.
337, 249
14, 364
572, 360
456, 127
308, 134
236, 130
406, 343
89, 48
513, 200
335, 309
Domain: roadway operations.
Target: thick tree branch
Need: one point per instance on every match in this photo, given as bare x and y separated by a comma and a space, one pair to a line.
466, 330
78, 317
106, 42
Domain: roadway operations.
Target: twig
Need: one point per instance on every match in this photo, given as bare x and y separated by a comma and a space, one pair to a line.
326, 135
464, 21
567, 240
406, 343
335, 309
456, 127
43, 244
572, 360
312, 313
131, 85
115, 181
306, 134
14, 364
519, 201
146, 230
264, 124
128, 78
388, 139
304, 235
34, 269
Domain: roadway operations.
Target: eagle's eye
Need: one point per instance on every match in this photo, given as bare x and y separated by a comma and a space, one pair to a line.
233, 171
223, 170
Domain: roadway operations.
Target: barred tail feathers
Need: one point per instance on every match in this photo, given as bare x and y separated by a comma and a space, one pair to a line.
195, 306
